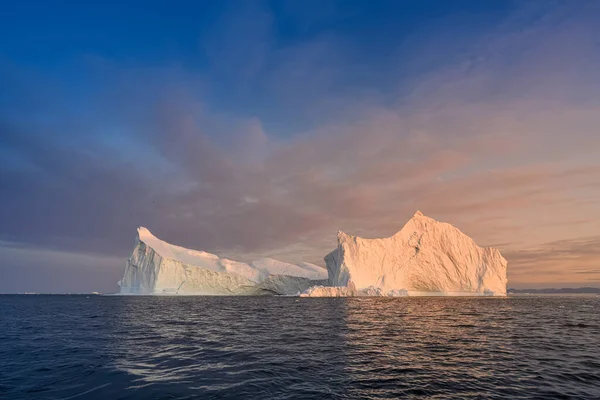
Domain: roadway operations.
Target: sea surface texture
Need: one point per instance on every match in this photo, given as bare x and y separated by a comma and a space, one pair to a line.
110, 347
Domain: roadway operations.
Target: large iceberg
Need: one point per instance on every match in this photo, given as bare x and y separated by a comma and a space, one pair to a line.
157, 267
425, 257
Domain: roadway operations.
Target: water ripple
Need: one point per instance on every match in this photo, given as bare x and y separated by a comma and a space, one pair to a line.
68, 347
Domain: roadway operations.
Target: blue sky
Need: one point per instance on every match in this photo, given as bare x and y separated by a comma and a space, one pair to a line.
256, 128
234, 48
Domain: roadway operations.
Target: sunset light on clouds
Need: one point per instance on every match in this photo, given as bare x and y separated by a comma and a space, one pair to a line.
267, 133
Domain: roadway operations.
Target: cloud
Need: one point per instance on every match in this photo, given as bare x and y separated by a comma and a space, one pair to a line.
566, 261
497, 142
25, 269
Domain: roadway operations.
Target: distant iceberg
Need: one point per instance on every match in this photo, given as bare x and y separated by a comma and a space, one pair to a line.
424, 258
157, 267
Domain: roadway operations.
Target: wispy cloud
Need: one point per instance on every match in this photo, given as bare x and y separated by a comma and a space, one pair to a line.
500, 140
575, 260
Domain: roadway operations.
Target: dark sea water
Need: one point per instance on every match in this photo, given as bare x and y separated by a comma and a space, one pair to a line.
103, 347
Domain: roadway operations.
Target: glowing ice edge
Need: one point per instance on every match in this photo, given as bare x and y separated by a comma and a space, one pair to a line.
425, 258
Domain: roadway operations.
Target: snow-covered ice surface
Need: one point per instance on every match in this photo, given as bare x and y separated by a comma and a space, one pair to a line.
157, 267
424, 258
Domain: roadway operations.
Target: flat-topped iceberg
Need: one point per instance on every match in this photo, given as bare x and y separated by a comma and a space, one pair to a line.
424, 258
157, 267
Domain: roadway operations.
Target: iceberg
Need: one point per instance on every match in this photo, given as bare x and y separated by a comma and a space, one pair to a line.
157, 267
424, 258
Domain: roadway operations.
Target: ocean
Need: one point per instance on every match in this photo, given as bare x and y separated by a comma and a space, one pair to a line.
115, 347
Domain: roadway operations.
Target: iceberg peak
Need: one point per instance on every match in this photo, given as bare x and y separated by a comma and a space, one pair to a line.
144, 232
425, 256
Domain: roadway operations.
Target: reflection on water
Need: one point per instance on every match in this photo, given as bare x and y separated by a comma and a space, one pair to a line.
231, 345
264, 347
427, 346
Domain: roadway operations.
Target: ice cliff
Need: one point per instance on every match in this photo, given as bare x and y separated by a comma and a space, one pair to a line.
425, 257
157, 267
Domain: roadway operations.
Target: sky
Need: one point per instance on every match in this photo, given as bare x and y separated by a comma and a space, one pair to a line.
261, 128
